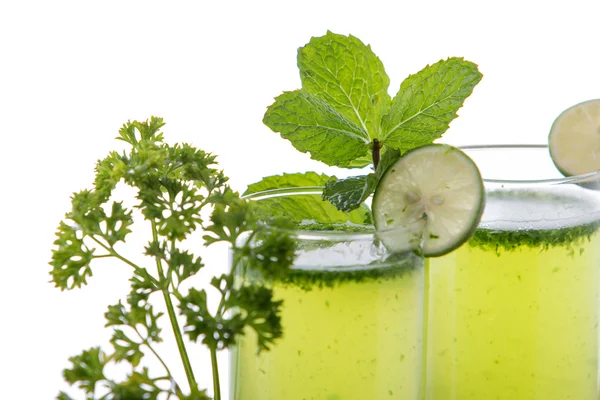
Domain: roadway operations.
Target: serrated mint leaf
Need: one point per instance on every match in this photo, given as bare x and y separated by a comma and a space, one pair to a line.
314, 126
361, 162
350, 193
427, 102
306, 179
305, 210
346, 73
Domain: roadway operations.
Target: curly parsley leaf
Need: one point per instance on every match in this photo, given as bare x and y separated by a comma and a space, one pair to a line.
258, 309
174, 185
145, 316
231, 217
142, 285
217, 332
183, 265
87, 219
251, 305
141, 134
271, 251
195, 395
138, 385
71, 260
87, 369
126, 349
64, 396
117, 224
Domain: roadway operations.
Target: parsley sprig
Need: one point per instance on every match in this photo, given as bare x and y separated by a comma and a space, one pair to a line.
175, 185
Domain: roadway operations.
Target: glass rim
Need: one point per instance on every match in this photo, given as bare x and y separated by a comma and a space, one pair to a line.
574, 179
370, 233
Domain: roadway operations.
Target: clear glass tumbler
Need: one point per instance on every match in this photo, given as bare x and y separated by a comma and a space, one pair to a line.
513, 313
352, 318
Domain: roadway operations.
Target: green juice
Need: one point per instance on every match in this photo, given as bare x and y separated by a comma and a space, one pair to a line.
513, 314
348, 335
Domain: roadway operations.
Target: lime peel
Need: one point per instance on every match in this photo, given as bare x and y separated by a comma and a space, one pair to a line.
574, 139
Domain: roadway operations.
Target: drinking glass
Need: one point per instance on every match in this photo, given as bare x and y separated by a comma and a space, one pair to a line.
352, 318
513, 313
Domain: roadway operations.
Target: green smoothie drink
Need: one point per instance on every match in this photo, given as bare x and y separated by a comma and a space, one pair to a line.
514, 312
352, 305
352, 321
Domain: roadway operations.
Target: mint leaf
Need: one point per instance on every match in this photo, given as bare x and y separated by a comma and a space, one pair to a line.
306, 209
314, 126
361, 162
344, 105
427, 102
306, 179
348, 194
346, 73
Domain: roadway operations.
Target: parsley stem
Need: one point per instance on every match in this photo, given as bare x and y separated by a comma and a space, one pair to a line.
215, 373
376, 153
169, 376
147, 343
113, 253
189, 373
236, 260
104, 256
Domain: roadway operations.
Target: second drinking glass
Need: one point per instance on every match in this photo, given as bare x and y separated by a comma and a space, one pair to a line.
513, 314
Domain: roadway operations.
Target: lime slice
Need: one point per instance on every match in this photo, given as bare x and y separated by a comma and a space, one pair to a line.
436, 184
574, 139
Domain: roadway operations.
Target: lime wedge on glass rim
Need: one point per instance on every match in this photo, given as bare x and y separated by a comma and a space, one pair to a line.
436, 184
574, 139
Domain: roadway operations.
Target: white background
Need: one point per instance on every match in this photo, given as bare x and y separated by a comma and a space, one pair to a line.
72, 72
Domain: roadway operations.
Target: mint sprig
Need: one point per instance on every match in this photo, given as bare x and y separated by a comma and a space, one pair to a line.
343, 111
306, 210
350, 193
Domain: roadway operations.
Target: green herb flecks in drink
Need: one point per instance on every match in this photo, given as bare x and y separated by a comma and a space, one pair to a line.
345, 337
349, 334
515, 311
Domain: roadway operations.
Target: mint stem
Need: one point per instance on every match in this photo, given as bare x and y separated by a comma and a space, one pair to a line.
376, 153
